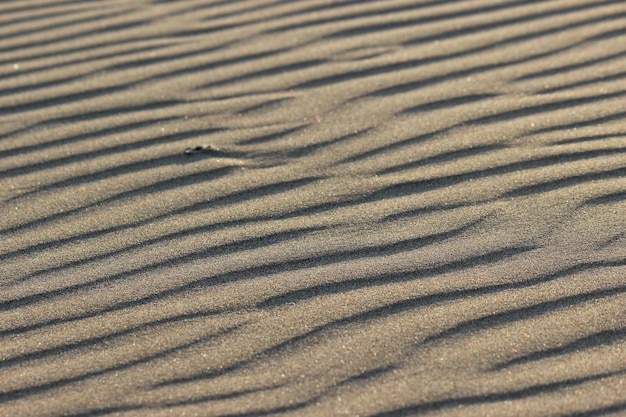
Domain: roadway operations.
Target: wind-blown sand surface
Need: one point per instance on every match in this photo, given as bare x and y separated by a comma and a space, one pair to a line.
414, 207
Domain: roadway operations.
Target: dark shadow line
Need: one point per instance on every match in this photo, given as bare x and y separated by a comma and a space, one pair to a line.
272, 136
404, 22
160, 406
118, 43
253, 243
29, 8
524, 313
610, 241
360, 317
105, 411
443, 157
306, 150
213, 30
324, 7
576, 125
604, 338
144, 165
548, 186
388, 68
317, 208
37, 14
61, 39
420, 186
330, 258
218, 63
49, 29
222, 370
242, 11
148, 61
511, 114
395, 145
93, 341
219, 397
234, 198
45, 103
170, 236
612, 198
602, 411
119, 129
21, 89
245, 244
482, 27
417, 302
527, 392
434, 208
214, 4
274, 411
448, 103
437, 79
344, 17
276, 70
422, 301
569, 67
414, 85
325, 289
56, 321
256, 413
42, 387
144, 243
264, 105
368, 375
589, 138
112, 150
200, 7
578, 84
328, 80
246, 273
33, 17
609, 34
115, 111
544, 108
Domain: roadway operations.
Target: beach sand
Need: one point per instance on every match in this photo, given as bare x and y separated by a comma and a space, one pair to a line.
404, 208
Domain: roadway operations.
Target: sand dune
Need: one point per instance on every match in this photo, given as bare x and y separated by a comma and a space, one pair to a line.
408, 208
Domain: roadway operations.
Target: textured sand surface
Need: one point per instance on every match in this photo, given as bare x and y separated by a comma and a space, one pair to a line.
410, 208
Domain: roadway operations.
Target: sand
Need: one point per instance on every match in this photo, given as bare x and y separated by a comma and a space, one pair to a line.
404, 208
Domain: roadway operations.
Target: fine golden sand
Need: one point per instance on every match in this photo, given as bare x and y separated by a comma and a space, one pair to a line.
406, 208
